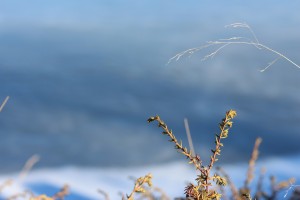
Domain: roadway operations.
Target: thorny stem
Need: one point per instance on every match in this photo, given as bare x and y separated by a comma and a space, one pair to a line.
224, 126
193, 159
218, 146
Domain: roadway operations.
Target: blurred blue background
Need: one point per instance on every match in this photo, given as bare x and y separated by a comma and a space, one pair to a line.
84, 76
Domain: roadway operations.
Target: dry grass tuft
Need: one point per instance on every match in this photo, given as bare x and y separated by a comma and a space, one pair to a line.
223, 43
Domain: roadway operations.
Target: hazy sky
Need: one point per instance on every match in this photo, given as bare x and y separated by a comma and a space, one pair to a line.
84, 76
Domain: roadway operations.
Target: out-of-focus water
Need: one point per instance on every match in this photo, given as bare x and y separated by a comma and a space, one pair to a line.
83, 77
171, 178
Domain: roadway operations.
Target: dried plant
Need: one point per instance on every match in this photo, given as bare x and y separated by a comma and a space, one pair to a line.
233, 188
259, 189
255, 153
65, 190
24, 172
139, 186
222, 43
202, 190
245, 191
275, 187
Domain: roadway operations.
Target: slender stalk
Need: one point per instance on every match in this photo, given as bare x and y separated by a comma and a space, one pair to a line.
3, 103
231, 41
189, 137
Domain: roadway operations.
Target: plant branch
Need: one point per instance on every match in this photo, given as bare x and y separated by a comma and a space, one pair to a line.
235, 41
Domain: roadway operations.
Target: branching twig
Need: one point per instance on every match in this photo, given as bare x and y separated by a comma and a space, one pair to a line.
138, 186
204, 179
233, 41
193, 159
